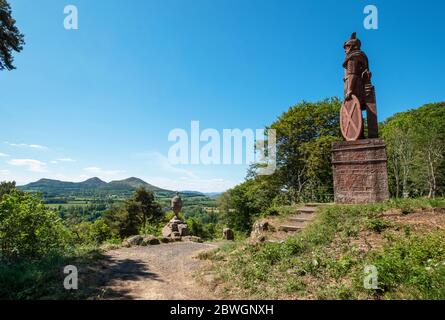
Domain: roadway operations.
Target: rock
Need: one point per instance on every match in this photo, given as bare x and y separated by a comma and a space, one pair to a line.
228, 234
133, 241
260, 227
258, 230
166, 232
183, 230
164, 240
192, 239
175, 228
262, 238
150, 240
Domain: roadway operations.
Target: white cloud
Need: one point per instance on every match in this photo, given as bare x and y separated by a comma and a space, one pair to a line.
66, 160
4, 155
25, 145
30, 164
62, 160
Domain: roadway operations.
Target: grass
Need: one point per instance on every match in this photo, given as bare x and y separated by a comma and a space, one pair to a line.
327, 260
43, 278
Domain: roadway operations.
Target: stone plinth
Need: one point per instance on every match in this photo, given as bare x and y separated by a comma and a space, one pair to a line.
175, 228
359, 171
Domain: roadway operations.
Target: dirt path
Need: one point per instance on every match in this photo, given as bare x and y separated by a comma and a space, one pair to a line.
152, 272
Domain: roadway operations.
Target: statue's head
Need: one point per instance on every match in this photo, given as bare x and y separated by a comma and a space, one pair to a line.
176, 203
352, 44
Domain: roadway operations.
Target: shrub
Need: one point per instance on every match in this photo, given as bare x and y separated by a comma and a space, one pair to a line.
377, 224
413, 267
27, 228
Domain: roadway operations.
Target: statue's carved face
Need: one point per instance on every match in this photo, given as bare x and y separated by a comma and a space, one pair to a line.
348, 48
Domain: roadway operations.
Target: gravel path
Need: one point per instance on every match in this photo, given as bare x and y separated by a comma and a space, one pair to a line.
153, 272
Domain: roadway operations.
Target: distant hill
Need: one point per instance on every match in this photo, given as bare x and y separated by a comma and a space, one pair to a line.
213, 195
97, 187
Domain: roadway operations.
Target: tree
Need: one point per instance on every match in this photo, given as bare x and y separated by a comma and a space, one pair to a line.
237, 207
121, 222
27, 228
303, 173
304, 134
430, 139
6, 188
10, 37
416, 151
399, 137
143, 204
318, 169
136, 213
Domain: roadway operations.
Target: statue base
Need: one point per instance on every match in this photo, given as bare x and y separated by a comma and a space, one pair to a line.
359, 171
175, 228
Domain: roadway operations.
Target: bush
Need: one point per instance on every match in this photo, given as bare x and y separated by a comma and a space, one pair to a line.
324, 260
28, 229
413, 268
377, 224
43, 278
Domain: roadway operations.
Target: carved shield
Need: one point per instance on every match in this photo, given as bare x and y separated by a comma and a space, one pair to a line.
351, 122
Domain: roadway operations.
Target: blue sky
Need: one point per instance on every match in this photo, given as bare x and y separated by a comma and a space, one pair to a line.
101, 100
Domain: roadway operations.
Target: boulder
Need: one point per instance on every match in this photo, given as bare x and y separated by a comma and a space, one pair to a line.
150, 240
133, 241
166, 232
258, 230
260, 227
192, 239
175, 228
164, 240
183, 230
228, 234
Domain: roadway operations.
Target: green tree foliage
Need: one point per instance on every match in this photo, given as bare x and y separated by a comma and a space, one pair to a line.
136, 212
6, 188
416, 151
27, 228
148, 209
95, 232
10, 37
304, 137
121, 222
241, 204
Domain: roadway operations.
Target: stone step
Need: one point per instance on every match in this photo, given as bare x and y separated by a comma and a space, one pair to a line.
300, 219
307, 210
303, 215
288, 228
313, 204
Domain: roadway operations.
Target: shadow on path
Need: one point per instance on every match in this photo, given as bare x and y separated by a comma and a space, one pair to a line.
109, 273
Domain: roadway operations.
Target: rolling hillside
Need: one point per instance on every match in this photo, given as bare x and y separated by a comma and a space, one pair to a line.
97, 187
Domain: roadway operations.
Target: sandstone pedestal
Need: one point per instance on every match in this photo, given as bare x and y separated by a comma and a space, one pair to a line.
359, 171
175, 228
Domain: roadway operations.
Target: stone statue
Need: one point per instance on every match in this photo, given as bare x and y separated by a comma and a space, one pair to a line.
175, 228
176, 204
359, 93
358, 164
